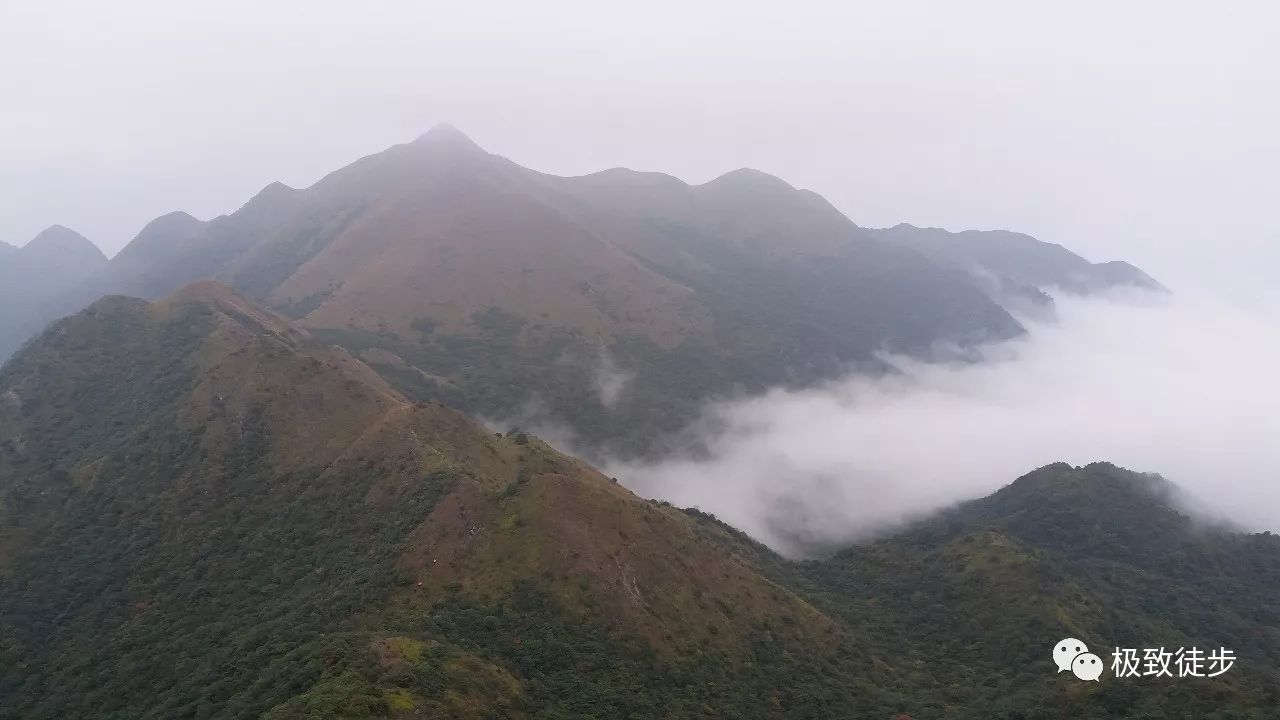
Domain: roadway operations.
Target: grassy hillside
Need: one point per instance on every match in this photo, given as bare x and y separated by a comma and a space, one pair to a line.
205, 513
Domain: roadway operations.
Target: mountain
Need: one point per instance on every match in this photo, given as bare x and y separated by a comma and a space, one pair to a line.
1017, 268
974, 599
614, 304
207, 513
35, 276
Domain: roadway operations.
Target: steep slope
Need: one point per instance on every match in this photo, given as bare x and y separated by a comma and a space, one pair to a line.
467, 278
768, 259
975, 598
34, 276
6, 251
206, 513
434, 229
1015, 268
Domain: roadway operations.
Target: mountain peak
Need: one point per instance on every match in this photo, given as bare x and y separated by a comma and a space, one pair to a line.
748, 178
168, 233
273, 191
274, 198
1102, 482
445, 135
169, 222
1119, 272
63, 241
1100, 507
222, 298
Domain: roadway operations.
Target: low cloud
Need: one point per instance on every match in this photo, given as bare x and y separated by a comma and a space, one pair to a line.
1184, 385
610, 380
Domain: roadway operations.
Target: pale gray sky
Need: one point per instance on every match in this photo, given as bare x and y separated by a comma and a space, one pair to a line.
1143, 130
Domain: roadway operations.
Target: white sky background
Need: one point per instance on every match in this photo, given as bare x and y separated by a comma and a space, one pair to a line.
1142, 130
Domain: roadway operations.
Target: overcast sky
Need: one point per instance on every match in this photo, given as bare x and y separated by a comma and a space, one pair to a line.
1143, 130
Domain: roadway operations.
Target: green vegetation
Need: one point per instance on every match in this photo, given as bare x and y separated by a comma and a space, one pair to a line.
974, 598
160, 568
531, 658
248, 526
179, 579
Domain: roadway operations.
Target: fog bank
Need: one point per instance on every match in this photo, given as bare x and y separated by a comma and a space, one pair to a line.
1184, 385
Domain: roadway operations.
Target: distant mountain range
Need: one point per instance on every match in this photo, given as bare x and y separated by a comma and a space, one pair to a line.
208, 511
35, 278
1014, 269
614, 304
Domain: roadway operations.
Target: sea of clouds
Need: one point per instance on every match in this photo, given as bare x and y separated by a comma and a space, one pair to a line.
1184, 385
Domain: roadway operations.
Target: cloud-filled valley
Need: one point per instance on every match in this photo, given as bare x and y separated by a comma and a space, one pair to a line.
1182, 385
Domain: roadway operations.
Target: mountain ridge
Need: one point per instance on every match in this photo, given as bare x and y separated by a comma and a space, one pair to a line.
473, 274
241, 486
253, 523
468, 279
1017, 269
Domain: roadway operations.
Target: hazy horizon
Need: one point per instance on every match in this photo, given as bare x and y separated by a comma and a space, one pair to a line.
914, 113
